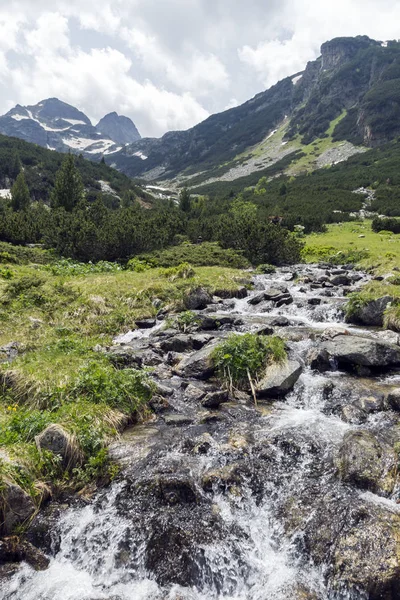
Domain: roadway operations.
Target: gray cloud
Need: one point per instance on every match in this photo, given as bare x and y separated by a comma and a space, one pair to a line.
168, 63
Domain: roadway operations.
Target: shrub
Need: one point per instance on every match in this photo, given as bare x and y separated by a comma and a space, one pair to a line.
207, 254
67, 266
242, 358
138, 265
265, 269
187, 319
183, 271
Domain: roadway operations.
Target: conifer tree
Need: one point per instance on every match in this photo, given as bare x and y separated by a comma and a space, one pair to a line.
15, 165
20, 196
68, 189
184, 200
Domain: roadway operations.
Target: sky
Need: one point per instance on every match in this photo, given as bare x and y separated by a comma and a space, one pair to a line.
169, 64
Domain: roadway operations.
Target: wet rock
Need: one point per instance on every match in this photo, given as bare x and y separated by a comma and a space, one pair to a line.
341, 280
314, 301
197, 299
60, 442
13, 550
16, 507
225, 478
211, 417
264, 330
201, 339
151, 358
370, 313
43, 532
215, 399
177, 420
393, 399
146, 323
352, 414
367, 463
370, 404
194, 393
280, 322
319, 360
158, 404
275, 294
161, 389
174, 552
173, 358
257, 299
178, 343
239, 293
352, 352
284, 300
124, 356
198, 365
177, 489
389, 336
279, 379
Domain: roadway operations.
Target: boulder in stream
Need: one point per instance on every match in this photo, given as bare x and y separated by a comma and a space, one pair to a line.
367, 463
352, 352
370, 313
279, 379
199, 364
197, 299
16, 507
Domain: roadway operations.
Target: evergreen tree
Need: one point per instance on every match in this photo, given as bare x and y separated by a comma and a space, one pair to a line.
185, 200
68, 189
128, 198
15, 165
20, 196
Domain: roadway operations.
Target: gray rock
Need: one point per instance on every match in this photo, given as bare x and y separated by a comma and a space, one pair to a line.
367, 463
314, 301
194, 393
371, 313
201, 339
125, 356
274, 293
352, 414
393, 399
146, 323
280, 322
341, 280
284, 300
197, 299
12, 550
16, 507
178, 343
352, 352
319, 360
177, 420
198, 365
370, 404
57, 440
279, 379
241, 292
215, 399
257, 299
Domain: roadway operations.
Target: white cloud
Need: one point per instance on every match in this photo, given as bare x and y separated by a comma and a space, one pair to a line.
168, 63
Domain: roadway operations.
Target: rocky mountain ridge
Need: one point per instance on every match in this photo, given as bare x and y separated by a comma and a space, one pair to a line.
343, 102
56, 125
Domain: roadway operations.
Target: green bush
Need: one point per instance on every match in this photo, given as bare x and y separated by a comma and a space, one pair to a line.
138, 265
183, 271
265, 269
67, 266
243, 357
207, 254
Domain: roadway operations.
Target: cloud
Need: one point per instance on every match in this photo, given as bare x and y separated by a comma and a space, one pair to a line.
169, 63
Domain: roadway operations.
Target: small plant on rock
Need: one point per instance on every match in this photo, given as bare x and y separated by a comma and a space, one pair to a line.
241, 359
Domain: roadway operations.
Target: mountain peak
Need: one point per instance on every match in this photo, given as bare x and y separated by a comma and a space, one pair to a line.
120, 129
340, 49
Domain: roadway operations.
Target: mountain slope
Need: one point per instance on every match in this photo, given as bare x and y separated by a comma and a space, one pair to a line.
40, 167
59, 126
345, 101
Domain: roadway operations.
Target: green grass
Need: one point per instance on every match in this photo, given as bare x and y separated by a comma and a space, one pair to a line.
242, 358
58, 313
382, 251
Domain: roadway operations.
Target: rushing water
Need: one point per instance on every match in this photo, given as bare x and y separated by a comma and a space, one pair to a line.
257, 559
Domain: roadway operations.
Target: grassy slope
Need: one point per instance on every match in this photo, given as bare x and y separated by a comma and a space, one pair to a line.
58, 377
383, 259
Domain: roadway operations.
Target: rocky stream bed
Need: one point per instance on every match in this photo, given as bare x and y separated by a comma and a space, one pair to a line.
218, 499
